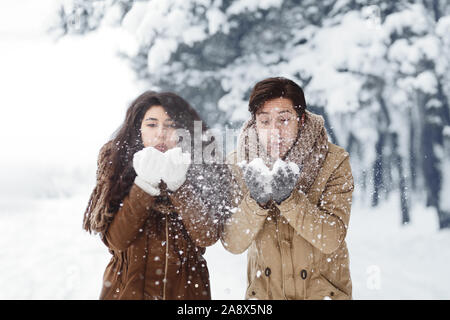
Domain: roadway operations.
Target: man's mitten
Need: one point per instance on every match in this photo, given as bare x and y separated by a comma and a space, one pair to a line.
284, 180
257, 178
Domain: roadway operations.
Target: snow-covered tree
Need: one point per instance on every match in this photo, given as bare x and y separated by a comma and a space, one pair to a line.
378, 71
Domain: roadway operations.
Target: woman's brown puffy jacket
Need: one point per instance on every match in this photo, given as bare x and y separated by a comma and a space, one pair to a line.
157, 243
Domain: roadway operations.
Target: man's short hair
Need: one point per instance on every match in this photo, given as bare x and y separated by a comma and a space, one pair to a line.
277, 87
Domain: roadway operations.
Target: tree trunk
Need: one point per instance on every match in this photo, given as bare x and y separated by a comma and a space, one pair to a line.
398, 162
413, 163
378, 169
444, 203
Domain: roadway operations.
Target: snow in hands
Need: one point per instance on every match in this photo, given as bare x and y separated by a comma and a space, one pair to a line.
153, 166
265, 184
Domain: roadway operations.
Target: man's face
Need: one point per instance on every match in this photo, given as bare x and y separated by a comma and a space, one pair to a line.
277, 124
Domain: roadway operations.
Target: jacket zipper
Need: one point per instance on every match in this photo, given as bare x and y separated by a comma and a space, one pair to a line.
167, 259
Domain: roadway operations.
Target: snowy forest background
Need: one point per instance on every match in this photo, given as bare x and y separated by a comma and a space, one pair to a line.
378, 71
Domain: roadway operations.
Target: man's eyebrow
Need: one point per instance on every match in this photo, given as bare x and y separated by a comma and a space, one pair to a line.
151, 119
262, 112
288, 111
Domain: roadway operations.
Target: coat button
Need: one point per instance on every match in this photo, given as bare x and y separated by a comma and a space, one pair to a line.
303, 274
253, 293
331, 293
267, 271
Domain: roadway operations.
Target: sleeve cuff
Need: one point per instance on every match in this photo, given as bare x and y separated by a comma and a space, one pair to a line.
291, 202
147, 187
139, 195
250, 205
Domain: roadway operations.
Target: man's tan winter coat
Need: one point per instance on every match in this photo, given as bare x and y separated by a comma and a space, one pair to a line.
296, 250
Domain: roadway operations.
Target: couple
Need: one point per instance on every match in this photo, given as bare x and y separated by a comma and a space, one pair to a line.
284, 195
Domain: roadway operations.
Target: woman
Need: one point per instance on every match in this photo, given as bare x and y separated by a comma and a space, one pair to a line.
294, 204
150, 206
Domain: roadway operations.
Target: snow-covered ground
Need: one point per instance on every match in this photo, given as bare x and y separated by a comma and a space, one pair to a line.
46, 255
59, 102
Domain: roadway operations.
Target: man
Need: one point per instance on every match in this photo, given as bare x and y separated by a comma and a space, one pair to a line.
293, 202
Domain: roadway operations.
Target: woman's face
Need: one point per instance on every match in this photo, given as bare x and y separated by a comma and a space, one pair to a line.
277, 126
158, 130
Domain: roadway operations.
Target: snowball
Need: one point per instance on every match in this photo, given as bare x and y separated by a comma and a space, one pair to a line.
266, 174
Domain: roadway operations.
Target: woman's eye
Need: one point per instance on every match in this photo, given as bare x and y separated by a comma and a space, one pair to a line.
152, 125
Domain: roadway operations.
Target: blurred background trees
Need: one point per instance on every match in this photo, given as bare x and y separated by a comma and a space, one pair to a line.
378, 71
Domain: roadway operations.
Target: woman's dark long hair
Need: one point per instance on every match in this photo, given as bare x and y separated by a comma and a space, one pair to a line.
127, 140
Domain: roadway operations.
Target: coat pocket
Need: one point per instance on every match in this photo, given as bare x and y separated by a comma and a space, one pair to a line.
255, 290
327, 290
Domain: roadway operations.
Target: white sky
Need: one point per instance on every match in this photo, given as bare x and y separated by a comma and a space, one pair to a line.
60, 100
25, 18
